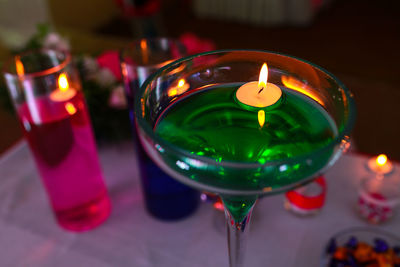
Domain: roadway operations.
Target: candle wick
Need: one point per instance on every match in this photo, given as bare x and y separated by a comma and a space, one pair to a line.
261, 90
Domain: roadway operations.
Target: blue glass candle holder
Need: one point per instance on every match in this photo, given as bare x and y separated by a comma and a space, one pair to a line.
165, 198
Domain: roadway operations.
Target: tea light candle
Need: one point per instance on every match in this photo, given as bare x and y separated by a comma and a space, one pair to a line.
259, 94
63, 92
380, 164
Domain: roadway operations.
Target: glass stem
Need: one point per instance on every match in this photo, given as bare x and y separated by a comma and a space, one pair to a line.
238, 228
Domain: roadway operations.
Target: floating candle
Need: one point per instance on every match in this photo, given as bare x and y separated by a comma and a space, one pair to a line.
63, 92
259, 94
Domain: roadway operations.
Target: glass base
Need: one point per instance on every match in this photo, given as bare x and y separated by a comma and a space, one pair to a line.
85, 217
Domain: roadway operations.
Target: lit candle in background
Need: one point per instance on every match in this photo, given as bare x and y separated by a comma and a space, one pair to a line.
380, 164
378, 193
63, 92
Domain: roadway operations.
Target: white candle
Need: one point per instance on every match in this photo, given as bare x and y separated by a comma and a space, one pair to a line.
380, 164
63, 92
259, 94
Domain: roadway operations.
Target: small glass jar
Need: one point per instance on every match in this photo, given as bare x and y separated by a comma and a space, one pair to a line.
378, 196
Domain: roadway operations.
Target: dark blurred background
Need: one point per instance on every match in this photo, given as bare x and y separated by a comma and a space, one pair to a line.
356, 40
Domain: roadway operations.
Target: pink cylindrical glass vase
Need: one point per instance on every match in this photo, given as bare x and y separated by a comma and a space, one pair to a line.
46, 92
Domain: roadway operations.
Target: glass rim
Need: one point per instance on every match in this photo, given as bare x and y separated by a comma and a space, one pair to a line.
344, 134
159, 65
47, 71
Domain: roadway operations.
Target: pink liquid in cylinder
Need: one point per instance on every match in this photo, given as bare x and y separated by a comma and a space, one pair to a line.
61, 139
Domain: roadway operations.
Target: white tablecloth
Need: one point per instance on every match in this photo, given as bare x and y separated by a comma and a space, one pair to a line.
29, 236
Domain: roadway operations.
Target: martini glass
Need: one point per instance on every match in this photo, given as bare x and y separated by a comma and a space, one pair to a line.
192, 125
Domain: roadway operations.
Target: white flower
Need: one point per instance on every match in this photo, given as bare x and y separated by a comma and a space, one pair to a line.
55, 41
104, 77
90, 65
117, 98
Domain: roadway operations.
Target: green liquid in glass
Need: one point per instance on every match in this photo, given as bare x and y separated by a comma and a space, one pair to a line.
211, 123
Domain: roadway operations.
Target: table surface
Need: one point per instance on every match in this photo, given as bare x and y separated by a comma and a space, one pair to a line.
29, 236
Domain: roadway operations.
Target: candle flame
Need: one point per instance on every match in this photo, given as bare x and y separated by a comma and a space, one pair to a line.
381, 160
19, 66
261, 117
262, 80
63, 82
